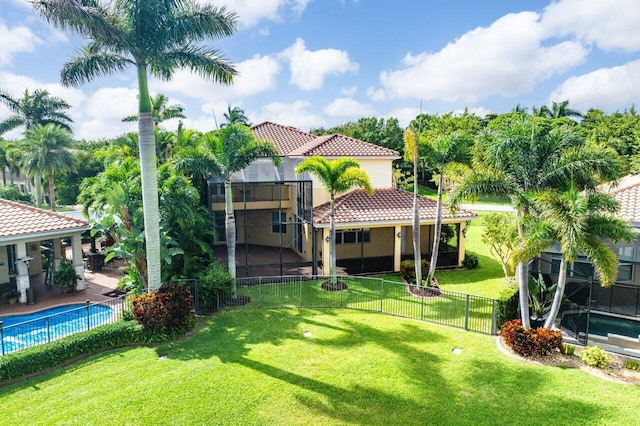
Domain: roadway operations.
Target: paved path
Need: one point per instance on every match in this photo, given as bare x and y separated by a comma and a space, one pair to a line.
487, 207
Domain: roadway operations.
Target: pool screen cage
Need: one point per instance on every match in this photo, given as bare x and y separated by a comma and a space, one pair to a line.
582, 297
274, 231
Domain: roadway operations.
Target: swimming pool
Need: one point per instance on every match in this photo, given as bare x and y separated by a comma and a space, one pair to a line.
602, 324
21, 331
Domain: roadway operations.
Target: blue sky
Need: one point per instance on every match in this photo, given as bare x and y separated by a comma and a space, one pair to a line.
318, 63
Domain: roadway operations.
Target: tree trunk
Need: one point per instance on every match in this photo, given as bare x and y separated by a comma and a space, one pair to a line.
523, 282
436, 234
417, 255
558, 295
52, 192
37, 182
149, 175
332, 243
230, 232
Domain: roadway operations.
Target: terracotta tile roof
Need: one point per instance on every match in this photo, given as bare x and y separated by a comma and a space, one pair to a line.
627, 192
295, 143
342, 146
386, 205
286, 138
21, 220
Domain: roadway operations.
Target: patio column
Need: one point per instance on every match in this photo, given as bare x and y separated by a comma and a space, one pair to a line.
461, 242
326, 264
22, 266
78, 261
57, 253
397, 247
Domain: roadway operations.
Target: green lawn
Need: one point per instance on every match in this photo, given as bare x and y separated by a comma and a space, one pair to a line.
485, 199
259, 368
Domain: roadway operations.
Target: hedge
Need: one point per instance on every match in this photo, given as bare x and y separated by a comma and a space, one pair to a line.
507, 304
39, 358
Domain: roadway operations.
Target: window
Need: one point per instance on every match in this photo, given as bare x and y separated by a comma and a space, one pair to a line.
219, 226
625, 270
279, 222
580, 269
353, 236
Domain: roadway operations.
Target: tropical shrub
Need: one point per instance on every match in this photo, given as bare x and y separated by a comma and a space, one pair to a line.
595, 356
568, 349
631, 364
470, 261
215, 281
169, 311
507, 304
530, 342
408, 270
12, 193
65, 275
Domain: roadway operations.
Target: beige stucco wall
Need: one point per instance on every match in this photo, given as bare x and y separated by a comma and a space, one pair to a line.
259, 229
4, 265
381, 244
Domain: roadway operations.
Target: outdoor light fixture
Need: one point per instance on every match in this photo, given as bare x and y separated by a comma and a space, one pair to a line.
400, 234
26, 260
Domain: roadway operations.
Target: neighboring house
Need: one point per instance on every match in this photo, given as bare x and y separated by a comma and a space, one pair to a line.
621, 300
24, 231
286, 217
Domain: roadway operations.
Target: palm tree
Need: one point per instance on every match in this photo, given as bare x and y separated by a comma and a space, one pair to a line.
335, 176
34, 108
411, 154
442, 152
582, 223
517, 160
235, 115
155, 37
160, 110
557, 110
4, 162
224, 152
47, 151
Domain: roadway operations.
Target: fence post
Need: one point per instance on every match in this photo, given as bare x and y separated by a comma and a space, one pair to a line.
2, 337
381, 296
466, 313
494, 317
87, 309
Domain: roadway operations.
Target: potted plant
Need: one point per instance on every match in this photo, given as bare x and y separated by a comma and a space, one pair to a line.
540, 299
65, 276
11, 295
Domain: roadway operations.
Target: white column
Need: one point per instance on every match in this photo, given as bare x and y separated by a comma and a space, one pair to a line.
397, 247
78, 261
461, 243
326, 264
22, 280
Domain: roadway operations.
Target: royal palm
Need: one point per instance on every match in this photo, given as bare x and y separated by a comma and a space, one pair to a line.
155, 37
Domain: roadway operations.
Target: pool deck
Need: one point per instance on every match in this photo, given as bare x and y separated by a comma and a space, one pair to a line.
98, 283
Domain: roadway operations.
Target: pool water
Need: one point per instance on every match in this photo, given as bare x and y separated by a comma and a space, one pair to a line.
22, 331
602, 325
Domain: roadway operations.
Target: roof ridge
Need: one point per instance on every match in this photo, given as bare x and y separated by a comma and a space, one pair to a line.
264, 123
42, 211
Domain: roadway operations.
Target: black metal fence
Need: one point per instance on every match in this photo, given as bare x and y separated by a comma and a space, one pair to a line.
469, 312
17, 334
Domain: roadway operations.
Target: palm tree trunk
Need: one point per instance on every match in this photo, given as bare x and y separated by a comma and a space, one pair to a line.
523, 283
558, 296
332, 243
52, 192
417, 255
230, 232
149, 175
37, 182
436, 234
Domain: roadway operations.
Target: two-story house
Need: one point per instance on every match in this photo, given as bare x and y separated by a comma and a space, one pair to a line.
282, 219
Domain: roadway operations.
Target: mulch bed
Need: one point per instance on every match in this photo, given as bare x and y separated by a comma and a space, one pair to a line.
337, 286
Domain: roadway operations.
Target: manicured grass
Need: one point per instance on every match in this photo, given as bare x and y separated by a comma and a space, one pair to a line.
485, 199
259, 368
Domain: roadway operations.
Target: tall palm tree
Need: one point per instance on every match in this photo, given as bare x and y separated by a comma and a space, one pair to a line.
224, 152
411, 154
581, 223
518, 160
47, 151
155, 37
160, 110
34, 108
558, 110
442, 152
335, 176
235, 115
4, 162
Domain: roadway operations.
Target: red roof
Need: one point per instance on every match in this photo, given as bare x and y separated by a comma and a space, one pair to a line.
386, 205
295, 143
21, 220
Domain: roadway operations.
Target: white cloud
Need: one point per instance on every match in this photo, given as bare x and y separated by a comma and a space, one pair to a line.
349, 91
15, 40
251, 12
506, 58
309, 68
606, 88
347, 107
404, 115
294, 114
105, 109
611, 24
376, 95
255, 76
